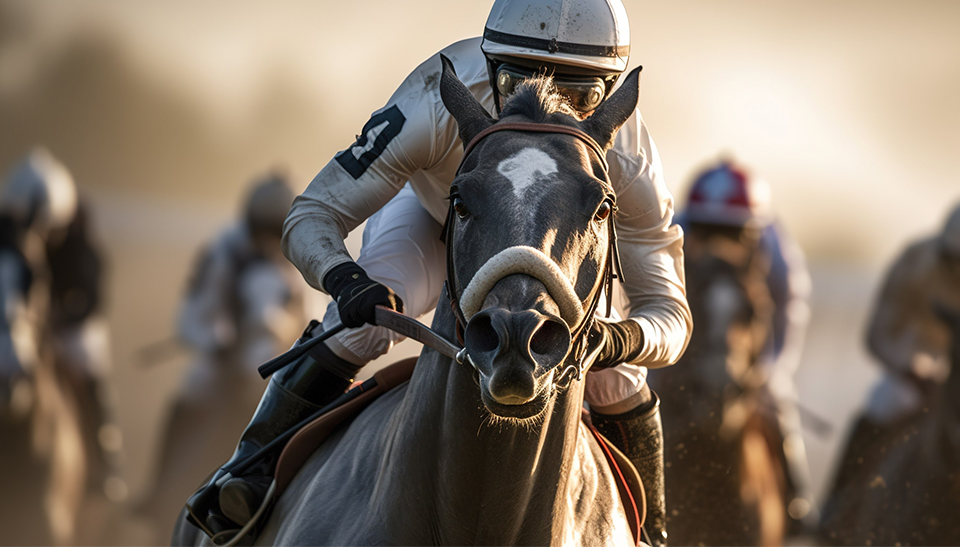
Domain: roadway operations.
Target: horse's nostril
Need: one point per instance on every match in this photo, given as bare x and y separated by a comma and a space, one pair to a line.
481, 336
550, 337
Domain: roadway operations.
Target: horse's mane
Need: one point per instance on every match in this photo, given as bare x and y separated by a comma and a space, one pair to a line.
535, 98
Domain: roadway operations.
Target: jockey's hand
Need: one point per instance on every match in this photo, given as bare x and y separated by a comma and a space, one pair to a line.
619, 342
357, 295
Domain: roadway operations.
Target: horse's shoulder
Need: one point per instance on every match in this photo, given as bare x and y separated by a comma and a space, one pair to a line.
337, 480
593, 471
364, 434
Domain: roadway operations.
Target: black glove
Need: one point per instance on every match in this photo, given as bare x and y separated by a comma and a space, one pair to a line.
357, 295
619, 342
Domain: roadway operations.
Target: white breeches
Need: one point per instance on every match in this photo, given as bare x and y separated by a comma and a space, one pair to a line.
402, 249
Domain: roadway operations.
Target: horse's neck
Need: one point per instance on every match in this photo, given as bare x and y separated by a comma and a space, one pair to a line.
486, 481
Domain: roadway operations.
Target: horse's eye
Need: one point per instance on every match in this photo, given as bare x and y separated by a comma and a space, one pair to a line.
603, 212
460, 207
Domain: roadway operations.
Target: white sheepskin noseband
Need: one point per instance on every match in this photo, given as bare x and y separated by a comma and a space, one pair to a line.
528, 261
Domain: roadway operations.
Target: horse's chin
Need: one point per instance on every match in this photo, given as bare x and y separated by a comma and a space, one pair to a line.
519, 410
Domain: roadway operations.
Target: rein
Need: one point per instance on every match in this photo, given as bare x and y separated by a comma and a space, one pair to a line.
611, 270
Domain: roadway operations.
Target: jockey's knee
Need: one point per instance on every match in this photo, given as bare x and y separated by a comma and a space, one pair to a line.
618, 389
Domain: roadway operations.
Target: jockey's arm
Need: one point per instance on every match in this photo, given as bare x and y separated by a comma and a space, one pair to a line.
399, 139
789, 283
204, 322
651, 249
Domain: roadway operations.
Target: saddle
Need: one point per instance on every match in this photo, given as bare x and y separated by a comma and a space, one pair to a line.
311, 436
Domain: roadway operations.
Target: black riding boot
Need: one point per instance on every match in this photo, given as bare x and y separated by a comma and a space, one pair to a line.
638, 433
295, 392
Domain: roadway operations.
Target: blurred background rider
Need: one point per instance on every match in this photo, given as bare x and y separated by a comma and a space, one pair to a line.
728, 201
54, 332
244, 304
244, 299
912, 344
45, 219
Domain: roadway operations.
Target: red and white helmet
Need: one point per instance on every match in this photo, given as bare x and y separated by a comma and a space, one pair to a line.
728, 195
592, 35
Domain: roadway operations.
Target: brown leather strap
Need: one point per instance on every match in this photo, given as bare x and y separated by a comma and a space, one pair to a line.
538, 128
306, 441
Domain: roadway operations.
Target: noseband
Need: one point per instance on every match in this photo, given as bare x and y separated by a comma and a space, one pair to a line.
611, 269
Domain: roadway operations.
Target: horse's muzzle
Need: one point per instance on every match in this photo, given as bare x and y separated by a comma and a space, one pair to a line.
514, 352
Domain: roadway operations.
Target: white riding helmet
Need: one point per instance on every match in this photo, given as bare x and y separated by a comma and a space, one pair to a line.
950, 237
728, 195
586, 34
39, 193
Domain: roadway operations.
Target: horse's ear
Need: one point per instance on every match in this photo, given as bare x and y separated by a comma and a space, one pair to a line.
462, 105
614, 112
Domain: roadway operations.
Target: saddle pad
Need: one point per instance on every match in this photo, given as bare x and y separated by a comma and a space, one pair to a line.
312, 435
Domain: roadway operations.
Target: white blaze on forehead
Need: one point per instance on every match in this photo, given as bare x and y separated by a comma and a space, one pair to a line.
526, 167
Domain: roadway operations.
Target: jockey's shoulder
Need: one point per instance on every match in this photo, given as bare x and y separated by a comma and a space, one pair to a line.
231, 242
468, 61
467, 58
633, 143
918, 259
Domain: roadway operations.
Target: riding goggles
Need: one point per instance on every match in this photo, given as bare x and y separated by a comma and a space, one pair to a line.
585, 93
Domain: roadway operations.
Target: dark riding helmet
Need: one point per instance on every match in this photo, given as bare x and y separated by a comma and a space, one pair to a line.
950, 240
950, 237
267, 205
583, 44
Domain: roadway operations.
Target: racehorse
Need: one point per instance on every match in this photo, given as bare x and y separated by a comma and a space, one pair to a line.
909, 493
221, 391
494, 453
724, 485
42, 457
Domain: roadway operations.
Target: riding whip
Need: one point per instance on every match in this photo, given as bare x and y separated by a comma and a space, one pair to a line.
295, 352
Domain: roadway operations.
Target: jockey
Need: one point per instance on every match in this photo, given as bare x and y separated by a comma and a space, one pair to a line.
911, 343
726, 200
216, 316
905, 334
397, 176
43, 219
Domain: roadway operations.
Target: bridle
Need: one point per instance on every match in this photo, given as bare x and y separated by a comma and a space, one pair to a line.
611, 269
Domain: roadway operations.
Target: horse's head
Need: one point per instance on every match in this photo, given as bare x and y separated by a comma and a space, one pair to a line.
529, 235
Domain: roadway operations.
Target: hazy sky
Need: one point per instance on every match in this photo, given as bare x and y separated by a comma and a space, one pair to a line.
849, 108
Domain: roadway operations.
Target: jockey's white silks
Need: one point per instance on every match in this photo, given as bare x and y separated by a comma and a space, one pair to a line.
522, 259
